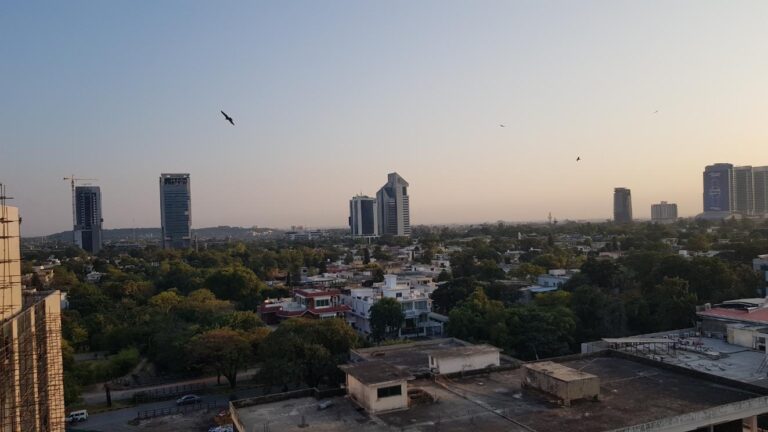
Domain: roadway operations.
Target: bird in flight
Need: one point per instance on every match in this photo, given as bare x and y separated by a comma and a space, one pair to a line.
578, 158
501, 125
656, 112
228, 118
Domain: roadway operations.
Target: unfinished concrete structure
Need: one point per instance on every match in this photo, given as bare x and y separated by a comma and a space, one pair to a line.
561, 381
422, 357
31, 370
463, 359
377, 386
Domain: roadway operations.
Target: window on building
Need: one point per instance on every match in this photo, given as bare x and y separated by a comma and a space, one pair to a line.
421, 305
383, 392
322, 302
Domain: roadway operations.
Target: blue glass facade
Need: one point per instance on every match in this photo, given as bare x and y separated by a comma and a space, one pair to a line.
176, 210
718, 182
88, 218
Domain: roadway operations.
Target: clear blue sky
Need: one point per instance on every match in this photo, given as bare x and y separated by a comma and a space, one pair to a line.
330, 96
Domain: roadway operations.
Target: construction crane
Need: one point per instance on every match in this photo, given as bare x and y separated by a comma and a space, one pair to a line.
73, 180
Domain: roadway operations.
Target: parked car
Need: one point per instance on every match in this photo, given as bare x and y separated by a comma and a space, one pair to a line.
188, 399
77, 416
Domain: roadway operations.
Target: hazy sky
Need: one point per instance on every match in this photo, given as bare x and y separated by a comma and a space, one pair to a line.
330, 96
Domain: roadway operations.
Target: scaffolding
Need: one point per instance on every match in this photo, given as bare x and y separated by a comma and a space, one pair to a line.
10, 277
31, 370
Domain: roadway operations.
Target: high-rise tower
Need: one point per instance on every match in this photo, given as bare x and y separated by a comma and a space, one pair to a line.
88, 218
176, 210
718, 182
394, 207
363, 216
622, 205
743, 191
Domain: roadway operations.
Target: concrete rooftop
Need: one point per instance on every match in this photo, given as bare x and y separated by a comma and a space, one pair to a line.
632, 393
735, 362
415, 356
376, 372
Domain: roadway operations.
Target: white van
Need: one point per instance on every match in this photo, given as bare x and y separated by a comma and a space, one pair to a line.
77, 416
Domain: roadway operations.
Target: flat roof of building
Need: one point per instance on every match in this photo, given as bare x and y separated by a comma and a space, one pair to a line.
558, 371
464, 351
757, 316
632, 392
696, 352
375, 372
412, 356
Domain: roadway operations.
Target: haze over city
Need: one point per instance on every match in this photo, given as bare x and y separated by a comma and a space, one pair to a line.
329, 97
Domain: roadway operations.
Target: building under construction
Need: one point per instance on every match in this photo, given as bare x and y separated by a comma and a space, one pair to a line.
31, 371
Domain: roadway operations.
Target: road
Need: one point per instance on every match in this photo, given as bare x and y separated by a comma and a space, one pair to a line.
117, 420
99, 397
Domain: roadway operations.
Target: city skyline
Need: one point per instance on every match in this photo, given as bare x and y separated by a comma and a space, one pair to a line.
328, 97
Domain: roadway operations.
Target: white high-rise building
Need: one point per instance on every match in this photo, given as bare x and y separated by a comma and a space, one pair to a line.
394, 207
363, 216
663, 212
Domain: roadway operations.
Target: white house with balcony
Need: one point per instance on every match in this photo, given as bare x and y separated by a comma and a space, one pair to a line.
555, 278
413, 298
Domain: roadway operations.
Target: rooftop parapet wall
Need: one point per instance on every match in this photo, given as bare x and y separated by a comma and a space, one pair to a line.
691, 421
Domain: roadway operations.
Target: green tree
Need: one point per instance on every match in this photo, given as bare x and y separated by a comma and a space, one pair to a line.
223, 350
529, 271
236, 283
304, 350
488, 270
246, 321
166, 301
444, 276
386, 319
673, 305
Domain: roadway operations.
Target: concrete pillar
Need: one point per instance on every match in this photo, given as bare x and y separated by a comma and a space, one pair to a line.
752, 423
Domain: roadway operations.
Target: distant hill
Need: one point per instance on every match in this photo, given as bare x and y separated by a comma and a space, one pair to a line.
128, 234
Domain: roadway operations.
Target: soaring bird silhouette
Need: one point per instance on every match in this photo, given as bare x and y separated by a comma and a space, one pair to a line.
501, 125
228, 118
656, 112
578, 158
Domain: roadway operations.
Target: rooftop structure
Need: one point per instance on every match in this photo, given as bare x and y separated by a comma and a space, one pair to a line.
740, 357
634, 395
415, 356
714, 319
561, 381
464, 359
375, 372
